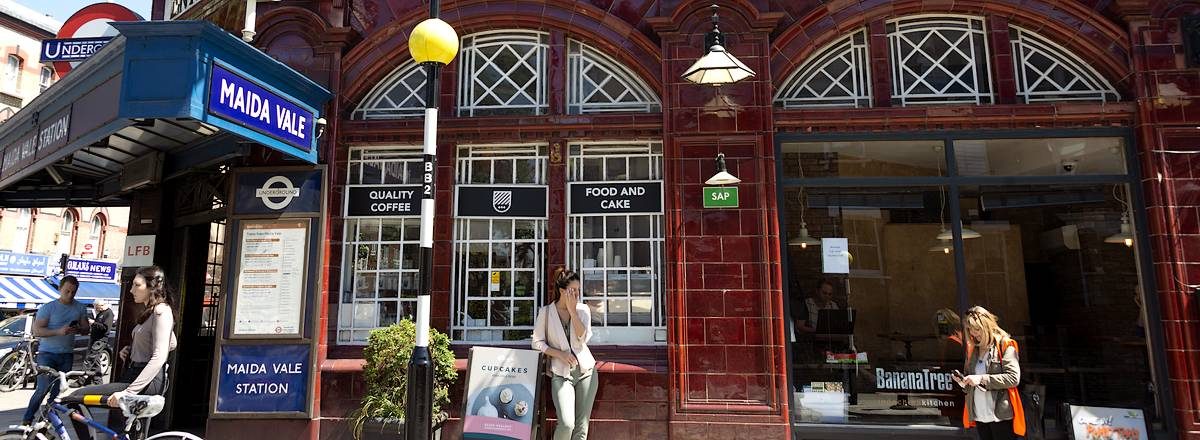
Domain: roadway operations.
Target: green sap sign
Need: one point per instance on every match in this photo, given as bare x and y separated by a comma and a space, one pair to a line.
720, 197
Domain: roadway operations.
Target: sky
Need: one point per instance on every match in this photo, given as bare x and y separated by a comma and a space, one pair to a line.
62, 9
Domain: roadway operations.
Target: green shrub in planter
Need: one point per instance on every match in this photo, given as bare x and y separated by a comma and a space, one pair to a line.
387, 354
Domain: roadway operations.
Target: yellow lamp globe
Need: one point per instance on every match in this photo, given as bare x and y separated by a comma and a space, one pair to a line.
433, 41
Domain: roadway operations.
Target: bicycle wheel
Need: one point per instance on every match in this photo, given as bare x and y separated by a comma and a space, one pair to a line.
171, 435
13, 435
14, 370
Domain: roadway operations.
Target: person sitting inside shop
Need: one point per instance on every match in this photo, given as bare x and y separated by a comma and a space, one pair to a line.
822, 299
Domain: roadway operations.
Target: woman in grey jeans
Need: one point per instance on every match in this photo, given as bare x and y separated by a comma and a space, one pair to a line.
993, 405
562, 330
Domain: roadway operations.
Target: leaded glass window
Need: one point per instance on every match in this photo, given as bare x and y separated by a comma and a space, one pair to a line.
939, 60
380, 254
499, 262
399, 95
836, 76
599, 84
619, 255
1049, 72
503, 73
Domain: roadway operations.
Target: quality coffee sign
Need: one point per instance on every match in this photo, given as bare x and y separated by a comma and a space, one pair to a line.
375, 201
616, 198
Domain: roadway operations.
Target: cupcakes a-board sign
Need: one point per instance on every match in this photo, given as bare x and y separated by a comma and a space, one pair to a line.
1099, 423
502, 394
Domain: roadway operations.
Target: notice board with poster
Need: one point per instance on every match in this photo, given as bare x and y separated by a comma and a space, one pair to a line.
1100, 423
503, 394
266, 342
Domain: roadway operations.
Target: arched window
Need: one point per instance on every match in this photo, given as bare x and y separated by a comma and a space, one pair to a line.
12, 71
66, 233
599, 84
939, 60
96, 237
47, 77
399, 95
503, 73
837, 75
1049, 72
24, 228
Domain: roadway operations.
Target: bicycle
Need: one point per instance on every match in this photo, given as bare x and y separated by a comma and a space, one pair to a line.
18, 366
137, 409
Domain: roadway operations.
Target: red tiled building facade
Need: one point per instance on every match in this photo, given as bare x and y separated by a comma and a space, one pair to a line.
697, 343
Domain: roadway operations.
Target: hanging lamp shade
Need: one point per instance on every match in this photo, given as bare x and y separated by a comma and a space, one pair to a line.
804, 240
1124, 237
967, 233
717, 66
722, 177
943, 246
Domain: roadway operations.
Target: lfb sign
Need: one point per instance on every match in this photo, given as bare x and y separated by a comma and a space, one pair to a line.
278, 192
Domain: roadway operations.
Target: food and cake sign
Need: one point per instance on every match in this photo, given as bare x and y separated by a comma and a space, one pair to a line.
502, 390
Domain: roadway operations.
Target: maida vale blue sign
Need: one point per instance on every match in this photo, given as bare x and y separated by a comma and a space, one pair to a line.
241, 100
72, 49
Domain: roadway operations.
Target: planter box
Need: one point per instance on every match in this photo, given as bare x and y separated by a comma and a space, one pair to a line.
378, 429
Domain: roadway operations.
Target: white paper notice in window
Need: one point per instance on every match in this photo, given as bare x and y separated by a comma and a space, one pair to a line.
270, 287
835, 255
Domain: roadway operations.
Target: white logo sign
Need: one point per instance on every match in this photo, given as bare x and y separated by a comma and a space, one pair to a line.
178, 7
269, 192
501, 201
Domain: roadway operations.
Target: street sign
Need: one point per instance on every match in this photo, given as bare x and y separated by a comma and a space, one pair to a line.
720, 197
139, 251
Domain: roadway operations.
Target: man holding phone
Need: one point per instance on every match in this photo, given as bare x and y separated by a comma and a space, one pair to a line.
55, 326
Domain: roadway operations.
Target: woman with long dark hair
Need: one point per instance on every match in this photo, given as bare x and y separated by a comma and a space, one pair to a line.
153, 340
561, 330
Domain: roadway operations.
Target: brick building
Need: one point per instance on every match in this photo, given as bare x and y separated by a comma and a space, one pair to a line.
24, 76
1035, 157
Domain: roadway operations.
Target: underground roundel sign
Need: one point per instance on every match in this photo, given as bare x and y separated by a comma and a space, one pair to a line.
85, 32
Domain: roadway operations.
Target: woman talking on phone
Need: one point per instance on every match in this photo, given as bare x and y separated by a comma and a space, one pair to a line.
561, 330
993, 405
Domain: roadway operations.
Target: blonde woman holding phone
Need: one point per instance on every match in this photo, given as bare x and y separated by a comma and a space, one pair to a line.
561, 330
993, 405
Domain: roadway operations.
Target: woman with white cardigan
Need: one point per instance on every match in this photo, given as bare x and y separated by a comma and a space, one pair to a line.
562, 330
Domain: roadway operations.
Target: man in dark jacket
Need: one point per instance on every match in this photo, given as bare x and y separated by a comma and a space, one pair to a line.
103, 321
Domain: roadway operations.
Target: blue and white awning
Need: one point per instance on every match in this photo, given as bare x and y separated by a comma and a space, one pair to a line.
25, 292
90, 291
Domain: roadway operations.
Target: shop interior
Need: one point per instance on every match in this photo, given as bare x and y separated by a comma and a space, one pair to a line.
1055, 261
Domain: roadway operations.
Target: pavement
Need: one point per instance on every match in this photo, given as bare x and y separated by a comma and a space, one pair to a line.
12, 407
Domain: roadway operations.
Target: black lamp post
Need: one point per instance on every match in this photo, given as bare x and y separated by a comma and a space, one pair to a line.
433, 44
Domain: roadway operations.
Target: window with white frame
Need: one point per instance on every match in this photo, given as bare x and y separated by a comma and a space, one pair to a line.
66, 232
598, 83
1049, 72
503, 73
615, 238
499, 261
380, 255
837, 75
47, 77
23, 221
12, 71
400, 95
939, 60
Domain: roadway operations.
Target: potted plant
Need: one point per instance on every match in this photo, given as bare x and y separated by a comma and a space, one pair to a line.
387, 353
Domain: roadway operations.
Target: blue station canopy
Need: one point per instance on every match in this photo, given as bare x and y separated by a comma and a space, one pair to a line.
162, 98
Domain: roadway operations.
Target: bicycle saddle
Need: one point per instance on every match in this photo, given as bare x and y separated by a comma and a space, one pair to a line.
141, 407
